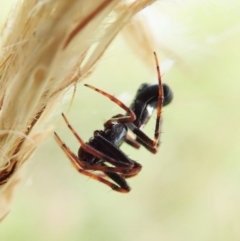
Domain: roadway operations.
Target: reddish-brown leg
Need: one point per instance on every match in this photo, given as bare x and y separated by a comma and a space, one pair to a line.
121, 119
85, 165
159, 105
135, 170
76, 163
132, 142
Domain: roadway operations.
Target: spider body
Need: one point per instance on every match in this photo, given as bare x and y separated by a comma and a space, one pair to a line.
109, 142
102, 152
115, 135
146, 100
144, 104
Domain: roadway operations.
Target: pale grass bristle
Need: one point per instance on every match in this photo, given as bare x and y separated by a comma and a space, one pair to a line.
46, 47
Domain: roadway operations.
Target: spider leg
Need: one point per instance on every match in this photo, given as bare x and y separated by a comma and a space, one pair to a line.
132, 142
159, 103
149, 148
134, 167
114, 150
122, 118
77, 161
135, 170
123, 186
143, 139
93, 151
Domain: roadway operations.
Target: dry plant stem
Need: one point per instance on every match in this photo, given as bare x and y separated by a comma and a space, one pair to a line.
46, 47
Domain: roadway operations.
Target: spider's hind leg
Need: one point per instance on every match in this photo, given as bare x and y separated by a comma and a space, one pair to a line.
151, 144
123, 186
159, 104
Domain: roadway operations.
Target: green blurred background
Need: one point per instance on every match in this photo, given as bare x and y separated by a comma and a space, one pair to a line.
188, 191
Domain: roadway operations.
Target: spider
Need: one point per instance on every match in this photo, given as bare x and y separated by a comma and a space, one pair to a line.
102, 152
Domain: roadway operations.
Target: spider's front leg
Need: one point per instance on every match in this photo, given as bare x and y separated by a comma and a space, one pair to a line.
130, 117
